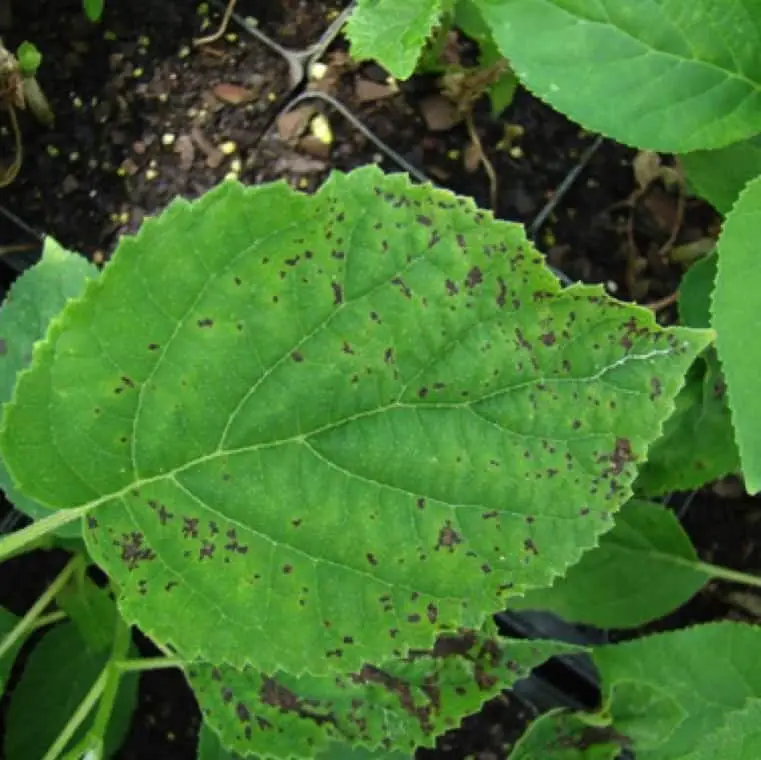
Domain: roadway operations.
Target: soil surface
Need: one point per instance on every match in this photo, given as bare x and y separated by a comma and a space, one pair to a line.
143, 116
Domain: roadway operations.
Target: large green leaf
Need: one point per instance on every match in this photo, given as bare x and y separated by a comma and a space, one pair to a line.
35, 298
56, 678
401, 706
562, 735
737, 319
393, 32
643, 569
366, 415
720, 175
738, 739
698, 444
647, 73
672, 692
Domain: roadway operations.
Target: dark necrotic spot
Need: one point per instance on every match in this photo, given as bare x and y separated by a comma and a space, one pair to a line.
371, 558
206, 322
424, 220
297, 356
153, 346
337, 293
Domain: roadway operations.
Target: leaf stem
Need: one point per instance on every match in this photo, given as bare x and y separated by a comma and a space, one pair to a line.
29, 621
49, 619
144, 664
120, 649
21, 539
726, 574
85, 706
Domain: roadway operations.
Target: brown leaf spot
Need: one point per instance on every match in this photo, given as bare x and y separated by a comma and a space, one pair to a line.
206, 322
448, 538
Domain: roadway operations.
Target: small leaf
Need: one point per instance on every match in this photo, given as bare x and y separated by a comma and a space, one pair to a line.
29, 58
392, 32
8, 622
720, 175
695, 292
33, 301
641, 571
562, 735
646, 74
739, 738
93, 9
400, 706
57, 676
376, 398
698, 442
672, 691
737, 320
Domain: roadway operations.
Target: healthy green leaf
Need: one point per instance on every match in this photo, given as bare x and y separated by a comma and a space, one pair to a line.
35, 298
369, 410
643, 569
562, 735
698, 444
644, 72
392, 32
93, 9
8, 622
211, 748
737, 320
695, 292
29, 58
57, 676
672, 691
403, 705
720, 175
92, 610
738, 739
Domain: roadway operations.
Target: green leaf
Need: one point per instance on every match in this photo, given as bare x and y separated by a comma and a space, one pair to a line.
737, 320
720, 175
33, 301
400, 706
738, 739
8, 622
562, 735
643, 72
369, 409
698, 444
29, 58
93, 9
392, 32
695, 292
211, 748
643, 569
672, 691
58, 674
91, 609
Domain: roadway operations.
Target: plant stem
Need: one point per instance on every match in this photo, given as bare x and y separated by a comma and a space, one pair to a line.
27, 623
114, 674
21, 539
85, 706
49, 619
145, 664
725, 574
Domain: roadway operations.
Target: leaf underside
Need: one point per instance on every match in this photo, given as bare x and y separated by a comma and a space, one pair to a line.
367, 415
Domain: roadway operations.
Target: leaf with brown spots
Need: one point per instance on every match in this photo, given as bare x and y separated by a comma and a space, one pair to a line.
290, 435
397, 707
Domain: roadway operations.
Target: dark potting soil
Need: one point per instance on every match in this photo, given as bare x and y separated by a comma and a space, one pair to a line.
143, 117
